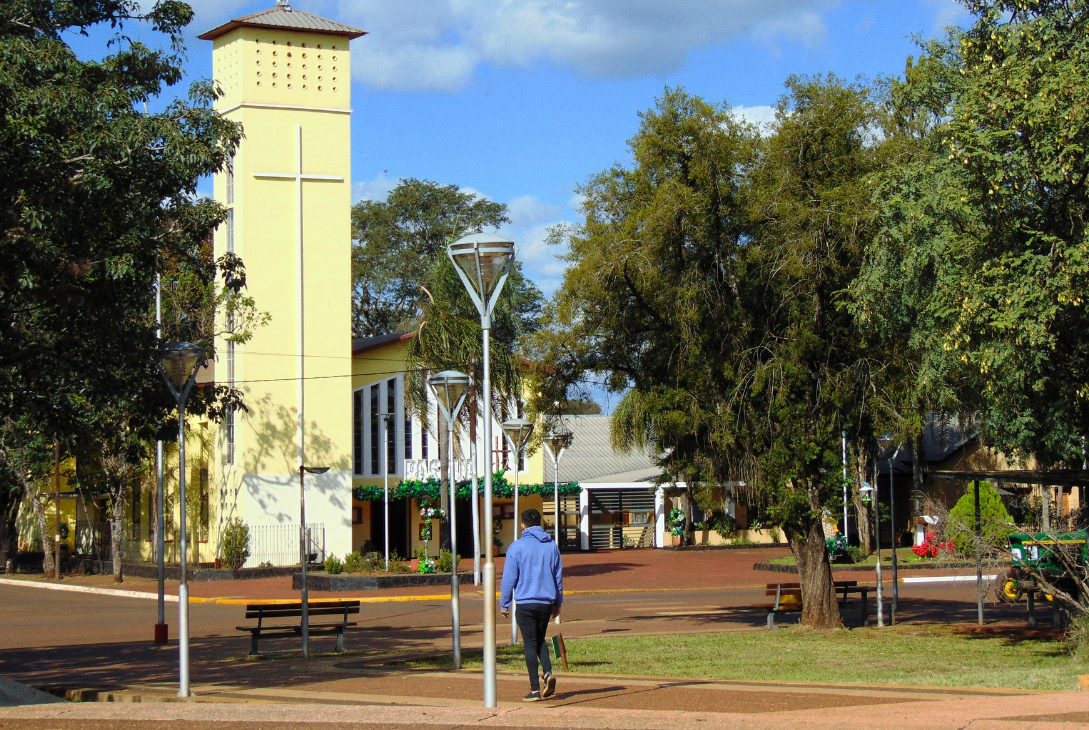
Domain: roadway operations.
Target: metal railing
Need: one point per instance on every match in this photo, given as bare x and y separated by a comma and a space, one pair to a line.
279, 544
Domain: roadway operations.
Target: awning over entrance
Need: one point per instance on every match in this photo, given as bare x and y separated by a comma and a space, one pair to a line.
1068, 478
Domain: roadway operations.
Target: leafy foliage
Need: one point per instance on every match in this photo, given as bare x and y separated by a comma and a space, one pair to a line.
398, 241
430, 489
995, 521
234, 543
980, 267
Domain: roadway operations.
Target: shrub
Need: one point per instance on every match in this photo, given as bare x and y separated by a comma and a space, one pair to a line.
370, 562
995, 521
333, 565
234, 543
853, 554
445, 564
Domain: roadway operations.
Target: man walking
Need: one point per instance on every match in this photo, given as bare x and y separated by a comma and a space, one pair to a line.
533, 575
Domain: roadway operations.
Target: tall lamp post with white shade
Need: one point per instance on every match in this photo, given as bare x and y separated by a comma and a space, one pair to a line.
892, 449
557, 442
517, 431
180, 362
483, 261
385, 483
450, 388
868, 491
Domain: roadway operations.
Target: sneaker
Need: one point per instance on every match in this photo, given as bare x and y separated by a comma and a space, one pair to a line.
533, 696
550, 685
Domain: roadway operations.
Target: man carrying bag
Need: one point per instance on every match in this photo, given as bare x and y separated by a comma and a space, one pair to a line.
533, 576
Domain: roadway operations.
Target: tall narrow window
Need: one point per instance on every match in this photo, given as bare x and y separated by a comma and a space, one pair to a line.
230, 182
230, 230
423, 443
391, 427
136, 512
408, 433
204, 505
375, 453
228, 421
357, 430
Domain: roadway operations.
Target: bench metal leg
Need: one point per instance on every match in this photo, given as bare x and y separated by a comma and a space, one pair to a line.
1031, 610
340, 641
771, 620
254, 636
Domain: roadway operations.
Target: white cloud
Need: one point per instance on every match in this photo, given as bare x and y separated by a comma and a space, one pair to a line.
376, 189
806, 28
540, 261
440, 44
759, 115
947, 13
528, 210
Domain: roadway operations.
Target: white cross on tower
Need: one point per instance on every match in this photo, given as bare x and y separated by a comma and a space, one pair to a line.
299, 177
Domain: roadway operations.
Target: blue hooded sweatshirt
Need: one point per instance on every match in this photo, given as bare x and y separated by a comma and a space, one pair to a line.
532, 571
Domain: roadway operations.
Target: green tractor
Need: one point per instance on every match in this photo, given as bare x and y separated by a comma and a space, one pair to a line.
1038, 552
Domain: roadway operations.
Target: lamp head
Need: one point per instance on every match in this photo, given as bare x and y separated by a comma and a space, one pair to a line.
315, 469
885, 440
484, 258
450, 387
178, 360
558, 441
518, 430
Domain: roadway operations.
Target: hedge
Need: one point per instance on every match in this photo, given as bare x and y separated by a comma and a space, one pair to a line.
429, 489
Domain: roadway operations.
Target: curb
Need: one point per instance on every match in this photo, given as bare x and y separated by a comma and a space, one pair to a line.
118, 592
782, 568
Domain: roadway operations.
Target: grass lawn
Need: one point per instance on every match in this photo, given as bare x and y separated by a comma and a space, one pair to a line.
904, 556
911, 655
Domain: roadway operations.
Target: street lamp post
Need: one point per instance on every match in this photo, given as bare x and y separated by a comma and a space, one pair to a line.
483, 261
887, 443
869, 491
180, 362
385, 475
304, 553
556, 443
517, 431
450, 388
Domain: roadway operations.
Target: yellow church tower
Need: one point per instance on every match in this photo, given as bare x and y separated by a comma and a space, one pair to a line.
285, 76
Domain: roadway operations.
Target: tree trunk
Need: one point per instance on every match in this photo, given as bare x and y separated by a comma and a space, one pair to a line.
820, 609
10, 537
43, 530
117, 525
863, 517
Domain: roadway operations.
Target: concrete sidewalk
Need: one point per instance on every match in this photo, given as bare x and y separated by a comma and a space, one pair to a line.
583, 702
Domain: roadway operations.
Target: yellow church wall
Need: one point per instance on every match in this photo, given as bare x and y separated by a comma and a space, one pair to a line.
274, 82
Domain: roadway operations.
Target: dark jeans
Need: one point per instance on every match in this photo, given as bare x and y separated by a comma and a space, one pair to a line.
532, 619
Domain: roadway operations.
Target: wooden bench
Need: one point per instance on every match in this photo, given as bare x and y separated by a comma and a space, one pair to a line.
262, 611
788, 598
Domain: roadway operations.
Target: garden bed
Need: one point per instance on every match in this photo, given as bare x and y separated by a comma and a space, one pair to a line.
173, 572
321, 581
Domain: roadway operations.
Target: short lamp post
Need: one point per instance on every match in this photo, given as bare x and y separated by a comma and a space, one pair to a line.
892, 448
450, 388
870, 493
304, 553
517, 431
557, 442
483, 261
180, 362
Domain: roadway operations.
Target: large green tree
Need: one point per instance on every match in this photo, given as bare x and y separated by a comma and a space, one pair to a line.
980, 271
97, 196
706, 281
396, 243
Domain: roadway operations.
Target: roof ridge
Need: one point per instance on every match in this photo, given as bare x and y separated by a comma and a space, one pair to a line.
285, 18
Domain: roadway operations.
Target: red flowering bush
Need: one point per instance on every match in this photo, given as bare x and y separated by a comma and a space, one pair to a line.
931, 548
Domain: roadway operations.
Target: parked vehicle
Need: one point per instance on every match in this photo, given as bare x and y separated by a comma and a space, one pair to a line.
1037, 553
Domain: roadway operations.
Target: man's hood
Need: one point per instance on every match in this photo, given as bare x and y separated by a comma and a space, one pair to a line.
537, 534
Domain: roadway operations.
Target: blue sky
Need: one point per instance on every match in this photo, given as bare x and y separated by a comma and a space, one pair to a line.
522, 100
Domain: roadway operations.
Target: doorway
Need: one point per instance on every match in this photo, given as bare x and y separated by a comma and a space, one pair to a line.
398, 526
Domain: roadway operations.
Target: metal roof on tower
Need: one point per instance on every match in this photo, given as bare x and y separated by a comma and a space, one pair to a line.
284, 17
